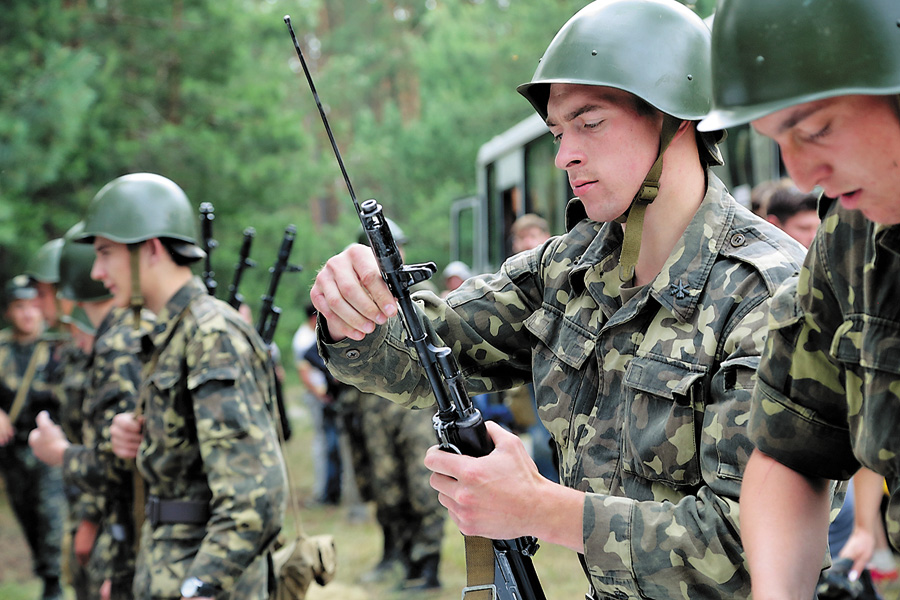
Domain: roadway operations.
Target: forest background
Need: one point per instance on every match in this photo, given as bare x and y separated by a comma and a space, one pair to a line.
210, 93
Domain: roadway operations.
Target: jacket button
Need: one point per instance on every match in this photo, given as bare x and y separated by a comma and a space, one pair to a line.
352, 354
737, 239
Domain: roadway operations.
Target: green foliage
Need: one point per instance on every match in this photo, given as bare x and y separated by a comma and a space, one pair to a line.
210, 93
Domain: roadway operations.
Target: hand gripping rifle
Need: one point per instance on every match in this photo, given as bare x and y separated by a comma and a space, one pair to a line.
235, 298
459, 425
209, 244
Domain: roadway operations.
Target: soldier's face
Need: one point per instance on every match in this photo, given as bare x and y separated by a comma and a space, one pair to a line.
112, 267
605, 146
25, 317
849, 145
47, 300
528, 238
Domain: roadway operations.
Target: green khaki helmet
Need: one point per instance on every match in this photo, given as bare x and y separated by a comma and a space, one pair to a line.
142, 206
768, 55
79, 319
75, 262
44, 266
657, 50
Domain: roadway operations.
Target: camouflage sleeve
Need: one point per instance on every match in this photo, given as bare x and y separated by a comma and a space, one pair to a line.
484, 321
801, 389
87, 507
113, 387
241, 456
685, 543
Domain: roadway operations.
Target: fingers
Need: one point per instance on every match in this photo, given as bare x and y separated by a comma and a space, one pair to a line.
43, 420
351, 295
125, 435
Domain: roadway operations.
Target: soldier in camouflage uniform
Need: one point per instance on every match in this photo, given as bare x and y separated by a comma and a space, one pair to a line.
113, 381
84, 509
43, 269
35, 490
411, 518
406, 508
642, 362
822, 80
202, 433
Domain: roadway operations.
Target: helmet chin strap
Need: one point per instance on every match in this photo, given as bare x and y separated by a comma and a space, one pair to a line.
136, 302
634, 216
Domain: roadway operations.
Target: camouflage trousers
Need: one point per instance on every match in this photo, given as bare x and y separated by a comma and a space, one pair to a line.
36, 495
396, 439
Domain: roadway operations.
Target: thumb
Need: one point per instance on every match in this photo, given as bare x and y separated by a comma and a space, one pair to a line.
43, 419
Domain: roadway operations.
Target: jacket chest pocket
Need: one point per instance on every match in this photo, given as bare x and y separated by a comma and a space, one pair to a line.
565, 380
660, 431
169, 419
869, 350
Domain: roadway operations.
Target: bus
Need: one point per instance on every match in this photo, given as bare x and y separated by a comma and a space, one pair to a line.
516, 174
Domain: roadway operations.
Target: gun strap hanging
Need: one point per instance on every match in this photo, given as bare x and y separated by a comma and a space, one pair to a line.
479, 569
139, 501
136, 302
40, 353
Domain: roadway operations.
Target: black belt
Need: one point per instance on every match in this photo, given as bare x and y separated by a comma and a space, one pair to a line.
166, 512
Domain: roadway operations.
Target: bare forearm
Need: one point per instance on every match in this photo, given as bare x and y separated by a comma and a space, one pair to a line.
559, 517
868, 490
784, 527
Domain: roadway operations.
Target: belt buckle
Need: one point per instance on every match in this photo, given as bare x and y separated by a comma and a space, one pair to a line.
151, 511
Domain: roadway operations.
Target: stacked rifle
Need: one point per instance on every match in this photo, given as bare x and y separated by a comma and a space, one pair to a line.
269, 313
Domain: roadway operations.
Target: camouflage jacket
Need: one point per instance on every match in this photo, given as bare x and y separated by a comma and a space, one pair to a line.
113, 383
646, 400
209, 436
827, 397
44, 390
75, 363
114, 377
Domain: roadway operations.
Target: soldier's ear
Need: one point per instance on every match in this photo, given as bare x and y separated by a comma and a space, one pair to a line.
154, 250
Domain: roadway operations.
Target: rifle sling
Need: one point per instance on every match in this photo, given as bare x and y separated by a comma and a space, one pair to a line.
479, 569
37, 355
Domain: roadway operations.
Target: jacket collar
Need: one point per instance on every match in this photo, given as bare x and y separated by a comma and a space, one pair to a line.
683, 277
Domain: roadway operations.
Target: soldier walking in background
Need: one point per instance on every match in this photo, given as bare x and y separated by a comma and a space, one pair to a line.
28, 376
203, 432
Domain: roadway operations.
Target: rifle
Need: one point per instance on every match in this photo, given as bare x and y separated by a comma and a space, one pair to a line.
459, 425
209, 244
269, 314
235, 299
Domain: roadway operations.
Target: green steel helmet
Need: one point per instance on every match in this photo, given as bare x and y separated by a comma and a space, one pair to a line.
657, 50
768, 55
396, 233
44, 266
142, 206
79, 319
75, 263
